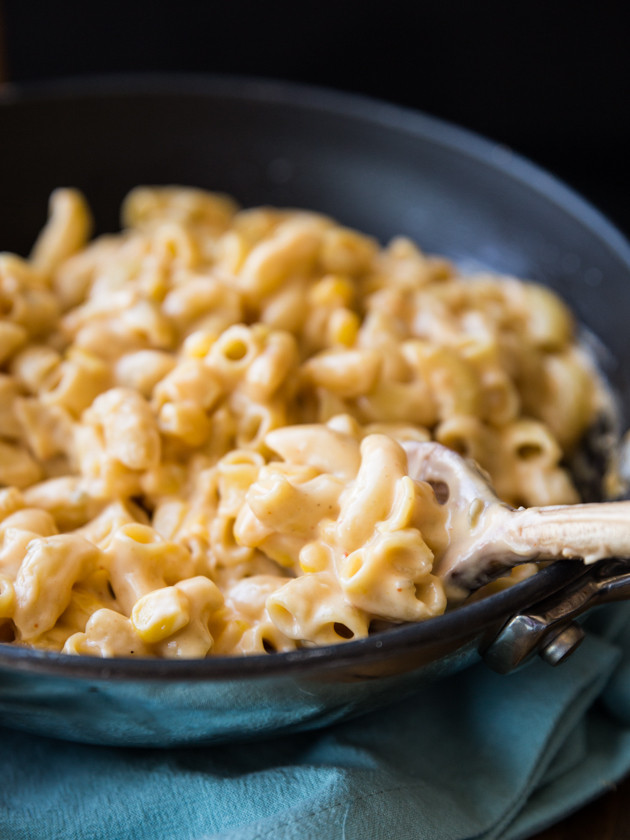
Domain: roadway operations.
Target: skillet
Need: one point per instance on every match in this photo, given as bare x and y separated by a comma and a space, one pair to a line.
385, 171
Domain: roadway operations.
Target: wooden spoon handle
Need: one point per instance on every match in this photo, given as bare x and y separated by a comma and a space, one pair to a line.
504, 538
591, 532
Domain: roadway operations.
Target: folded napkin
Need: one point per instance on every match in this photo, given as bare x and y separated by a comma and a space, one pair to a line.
476, 755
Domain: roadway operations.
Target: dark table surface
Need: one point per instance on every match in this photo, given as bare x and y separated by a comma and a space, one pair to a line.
607, 818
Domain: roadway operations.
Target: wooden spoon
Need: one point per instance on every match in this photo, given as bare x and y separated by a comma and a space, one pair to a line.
485, 537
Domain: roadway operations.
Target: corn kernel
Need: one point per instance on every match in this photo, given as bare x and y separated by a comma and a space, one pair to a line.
197, 344
343, 327
155, 287
332, 290
314, 557
7, 597
159, 614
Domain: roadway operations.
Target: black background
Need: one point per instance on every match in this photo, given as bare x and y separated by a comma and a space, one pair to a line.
548, 79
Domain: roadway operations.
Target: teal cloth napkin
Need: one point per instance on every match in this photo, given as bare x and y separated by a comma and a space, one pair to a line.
476, 755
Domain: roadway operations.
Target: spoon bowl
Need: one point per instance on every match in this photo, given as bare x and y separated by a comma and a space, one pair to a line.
484, 537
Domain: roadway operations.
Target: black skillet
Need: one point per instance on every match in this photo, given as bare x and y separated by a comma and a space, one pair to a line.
385, 171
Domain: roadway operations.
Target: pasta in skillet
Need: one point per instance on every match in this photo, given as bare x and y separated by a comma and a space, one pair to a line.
202, 419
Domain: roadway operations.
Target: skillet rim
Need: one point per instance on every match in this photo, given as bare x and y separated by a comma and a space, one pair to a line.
467, 621
308, 97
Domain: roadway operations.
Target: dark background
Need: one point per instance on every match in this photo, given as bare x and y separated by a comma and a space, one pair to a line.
548, 79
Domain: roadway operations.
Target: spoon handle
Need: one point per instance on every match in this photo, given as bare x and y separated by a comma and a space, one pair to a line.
590, 531
505, 538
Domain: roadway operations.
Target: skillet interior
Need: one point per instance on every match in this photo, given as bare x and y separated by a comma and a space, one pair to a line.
380, 169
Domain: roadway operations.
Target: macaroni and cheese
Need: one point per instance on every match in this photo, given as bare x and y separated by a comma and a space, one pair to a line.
201, 421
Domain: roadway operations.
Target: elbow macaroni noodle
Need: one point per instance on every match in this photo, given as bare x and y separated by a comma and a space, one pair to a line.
201, 422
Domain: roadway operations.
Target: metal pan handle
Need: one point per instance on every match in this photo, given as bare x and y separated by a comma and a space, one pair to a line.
549, 628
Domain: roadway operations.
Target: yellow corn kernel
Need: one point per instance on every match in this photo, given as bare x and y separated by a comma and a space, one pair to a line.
198, 344
7, 597
315, 557
159, 614
332, 290
155, 287
343, 327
